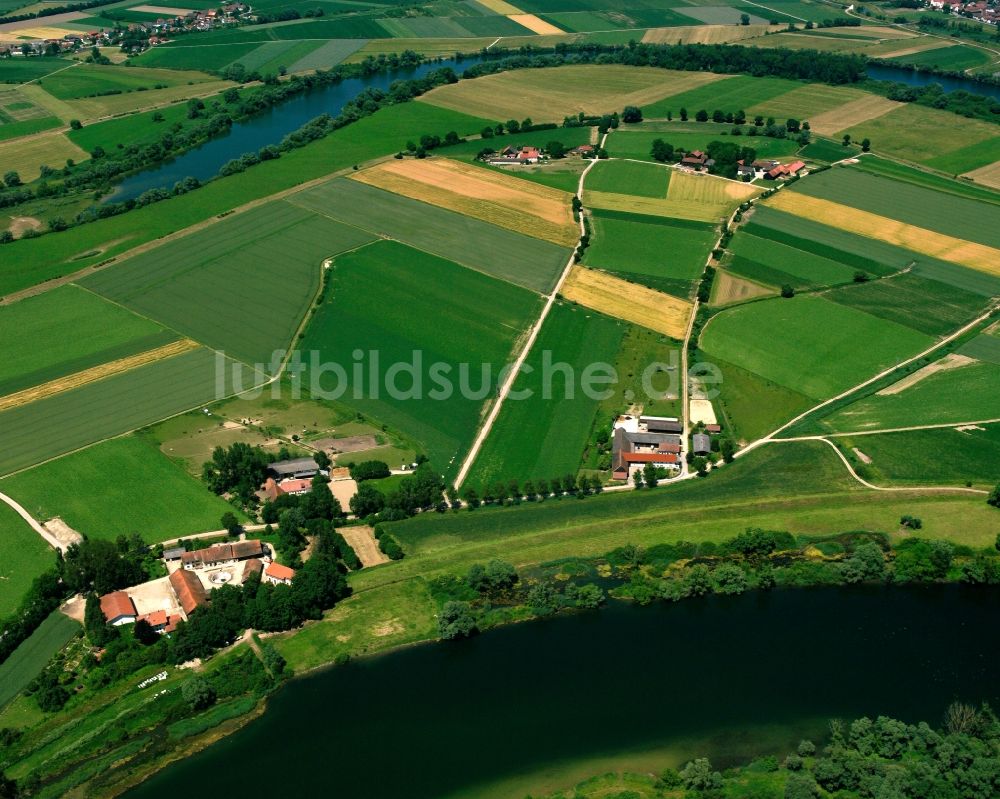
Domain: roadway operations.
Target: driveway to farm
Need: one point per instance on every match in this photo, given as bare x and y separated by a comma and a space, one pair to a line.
50, 539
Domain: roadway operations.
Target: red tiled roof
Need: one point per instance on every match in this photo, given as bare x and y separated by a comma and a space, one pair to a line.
247, 549
294, 486
117, 604
649, 457
279, 572
252, 566
158, 618
190, 592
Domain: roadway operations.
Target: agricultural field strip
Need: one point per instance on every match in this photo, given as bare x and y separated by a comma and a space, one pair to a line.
884, 430
95, 373
979, 257
530, 208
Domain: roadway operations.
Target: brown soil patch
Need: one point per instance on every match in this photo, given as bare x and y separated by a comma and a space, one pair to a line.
386, 628
64, 534
342, 491
530, 208
951, 361
19, 224
861, 456
345, 444
852, 113
629, 301
988, 175
75, 608
362, 541
939, 245
729, 288
96, 373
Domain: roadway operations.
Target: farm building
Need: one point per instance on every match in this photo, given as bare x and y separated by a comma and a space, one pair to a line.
276, 574
118, 608
701, 444
294, 468
251, 567
661, 424
516, 155
174, 553
696, 159
294, 485
160, 621
190, 592
785, 170
642, 447
221, 554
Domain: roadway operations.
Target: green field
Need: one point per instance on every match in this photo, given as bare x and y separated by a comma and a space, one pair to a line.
498, 252
73, 419
925, 305
732, 94
194, 57
810, 345
956, 58
544, 434
33, 655
628, 177
23, 556
242, 286
11, 130
922, 177
965, 159
639, 143
649, 249
70, 330
119, 487
931, 457
823, 150
802, 268
22, 70
985, 347
966, 394
27, 262
89, 80
394, 300
916, 205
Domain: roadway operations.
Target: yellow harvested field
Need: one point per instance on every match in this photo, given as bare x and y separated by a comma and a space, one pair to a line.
521, 205
163, 11
892, 49
26, 154
96, 107
947, 248
988, 175
629, 301
807, 101
95, 373
873, 32
706, 34
709, 189
38, 32
500, 7
729, 288
653, 206
55, 106
853, 113
535, 24
548, 95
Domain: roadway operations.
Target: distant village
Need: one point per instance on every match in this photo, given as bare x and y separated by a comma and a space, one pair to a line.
981, 10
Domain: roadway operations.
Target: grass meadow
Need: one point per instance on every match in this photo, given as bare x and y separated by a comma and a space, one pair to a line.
118, 487
731, 94
628, 177
801, 267
23, 556
501, 253
808, 344
27, 661
956, 58
957, 395
626, 143
924, 207
88, 80
31, 261
70, 330
126, 401
395, 299
928, 179
22, 70
544, 436
194, 57
644, 248
242, 286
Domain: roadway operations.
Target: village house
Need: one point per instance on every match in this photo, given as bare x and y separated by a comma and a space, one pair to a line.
637, 448
276, 574
516, 155
785, 170
697, 160
293, 485
222, 554
293, 468
160, 621
252, 567
191, 594
118, 608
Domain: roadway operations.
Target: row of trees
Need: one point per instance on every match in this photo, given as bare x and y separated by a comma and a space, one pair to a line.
502, 492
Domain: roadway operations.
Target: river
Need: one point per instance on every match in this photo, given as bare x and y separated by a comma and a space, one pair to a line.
913, 78
538, 706
269, 127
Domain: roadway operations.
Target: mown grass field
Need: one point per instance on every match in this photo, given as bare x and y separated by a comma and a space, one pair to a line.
32, 261
555, 92
119, 487
501, 253
450, 314
12, 130
33, 654
629, 177
73, 419
962, 217
731, 94
21, 70
638, 143
89, 80
958, 395
490, 196
805, 101
543, 435
944, 456
70, 330
808, 344
656, 247
956, 58
926, 178
829, 151
768, 260
195, 57
25, 155
23, 556
242, 286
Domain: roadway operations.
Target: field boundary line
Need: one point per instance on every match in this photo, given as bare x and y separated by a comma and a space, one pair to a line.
888, 430
33, 523
515, 367
872, 486
96, 374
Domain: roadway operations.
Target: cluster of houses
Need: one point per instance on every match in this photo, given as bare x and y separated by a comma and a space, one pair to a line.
697, 160
524, 155
192, 576
292, 476
771, 170
639, 440
980, 10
